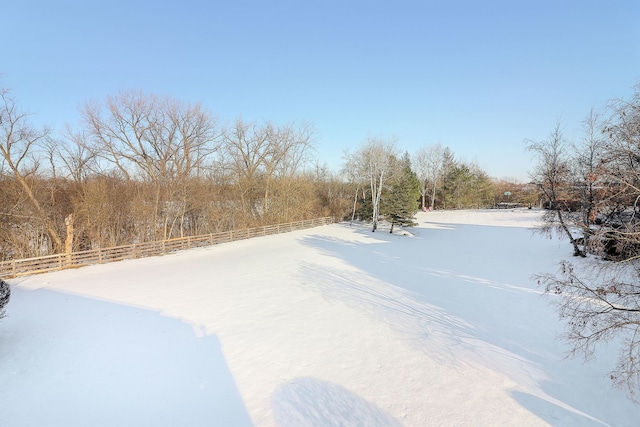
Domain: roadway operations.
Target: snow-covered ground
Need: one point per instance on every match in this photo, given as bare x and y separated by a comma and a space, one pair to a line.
332, 326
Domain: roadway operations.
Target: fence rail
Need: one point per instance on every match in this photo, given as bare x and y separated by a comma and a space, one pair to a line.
22, 267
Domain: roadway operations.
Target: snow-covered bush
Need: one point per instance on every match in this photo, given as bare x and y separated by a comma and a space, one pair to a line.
5, 294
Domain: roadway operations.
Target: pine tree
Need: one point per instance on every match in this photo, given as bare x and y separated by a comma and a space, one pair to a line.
365, 212
401, 202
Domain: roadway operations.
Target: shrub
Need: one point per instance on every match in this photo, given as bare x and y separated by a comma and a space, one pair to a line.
5, 294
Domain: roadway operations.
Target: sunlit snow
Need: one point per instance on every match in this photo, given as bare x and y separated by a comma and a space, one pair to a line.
441, 324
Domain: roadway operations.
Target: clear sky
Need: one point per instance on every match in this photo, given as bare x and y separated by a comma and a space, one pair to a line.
477, 76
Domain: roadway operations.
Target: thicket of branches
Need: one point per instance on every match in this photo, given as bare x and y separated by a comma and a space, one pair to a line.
142, 168
592, 190
139, 167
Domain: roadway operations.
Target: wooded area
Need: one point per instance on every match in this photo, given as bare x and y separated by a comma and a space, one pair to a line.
141, 168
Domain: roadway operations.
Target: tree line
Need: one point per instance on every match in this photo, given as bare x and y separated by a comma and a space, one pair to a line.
591, 187
139, 167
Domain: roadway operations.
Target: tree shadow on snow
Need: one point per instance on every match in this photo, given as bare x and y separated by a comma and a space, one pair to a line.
452, 301
70, 360
554, 414
424, 326
309, 402
392, 284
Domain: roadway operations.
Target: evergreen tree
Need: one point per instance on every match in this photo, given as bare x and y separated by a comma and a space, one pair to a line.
456, 188
481, 188
365, 211
401, 202
449, 163
467, 186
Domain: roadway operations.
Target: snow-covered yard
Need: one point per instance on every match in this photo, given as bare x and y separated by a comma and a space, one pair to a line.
331, 326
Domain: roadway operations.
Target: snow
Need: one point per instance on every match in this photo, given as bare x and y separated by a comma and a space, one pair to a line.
440, 324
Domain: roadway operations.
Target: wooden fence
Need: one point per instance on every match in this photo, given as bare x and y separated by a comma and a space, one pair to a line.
22, 267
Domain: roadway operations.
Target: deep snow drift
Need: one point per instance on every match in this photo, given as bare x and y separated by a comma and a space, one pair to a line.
329, 326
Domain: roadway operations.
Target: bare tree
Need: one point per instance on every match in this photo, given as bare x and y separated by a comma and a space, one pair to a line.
245, 147
154, 138
355, 178
374, 162
587, 177
599, 297
552, 174
429, 165
259, 157
288, 153
18, 139
333, 193
599, 304
77, 157
159, 140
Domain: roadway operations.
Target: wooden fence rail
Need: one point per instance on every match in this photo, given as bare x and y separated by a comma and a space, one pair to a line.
22, 267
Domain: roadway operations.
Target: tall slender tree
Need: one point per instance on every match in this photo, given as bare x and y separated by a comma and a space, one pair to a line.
374, 162
552, 174
18, 141
430, 167
587, 178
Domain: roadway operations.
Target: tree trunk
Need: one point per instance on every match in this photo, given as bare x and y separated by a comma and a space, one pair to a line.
68, 243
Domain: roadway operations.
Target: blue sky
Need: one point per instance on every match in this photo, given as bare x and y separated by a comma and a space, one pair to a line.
477, 76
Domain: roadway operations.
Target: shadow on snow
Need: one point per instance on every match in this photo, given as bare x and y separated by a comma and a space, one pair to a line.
81, 361
447, 292
311, 402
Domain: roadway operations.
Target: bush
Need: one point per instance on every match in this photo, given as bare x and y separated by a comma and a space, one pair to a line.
5, 294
